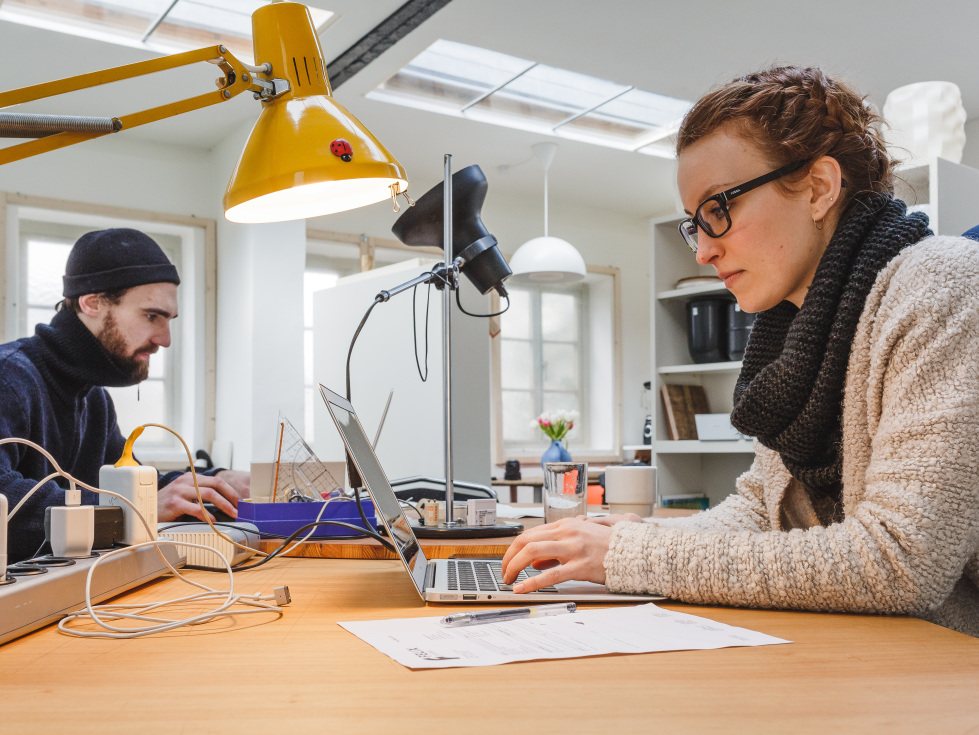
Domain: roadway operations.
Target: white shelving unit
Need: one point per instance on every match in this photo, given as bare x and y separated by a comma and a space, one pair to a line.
946, 191
687, 466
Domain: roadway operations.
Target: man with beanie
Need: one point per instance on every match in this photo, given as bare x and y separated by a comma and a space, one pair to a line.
120, 294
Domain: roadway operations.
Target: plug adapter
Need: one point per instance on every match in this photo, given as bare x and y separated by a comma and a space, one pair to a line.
3, 537
72, 530
136, 483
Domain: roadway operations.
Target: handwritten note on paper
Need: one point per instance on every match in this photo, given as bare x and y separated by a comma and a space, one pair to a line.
423, 643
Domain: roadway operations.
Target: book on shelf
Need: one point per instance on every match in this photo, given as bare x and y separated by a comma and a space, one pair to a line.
688, 501
680, 404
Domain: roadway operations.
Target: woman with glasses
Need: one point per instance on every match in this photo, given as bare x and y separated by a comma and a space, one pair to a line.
860, 382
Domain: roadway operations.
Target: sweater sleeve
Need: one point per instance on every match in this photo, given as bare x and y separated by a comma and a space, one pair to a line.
911, 518
26, 529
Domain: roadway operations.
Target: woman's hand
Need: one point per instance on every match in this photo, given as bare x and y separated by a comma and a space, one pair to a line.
572, 548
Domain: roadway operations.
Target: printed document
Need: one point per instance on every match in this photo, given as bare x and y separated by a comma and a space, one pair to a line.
424, 643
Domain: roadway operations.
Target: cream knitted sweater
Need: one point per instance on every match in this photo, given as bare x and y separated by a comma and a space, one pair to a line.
909, 540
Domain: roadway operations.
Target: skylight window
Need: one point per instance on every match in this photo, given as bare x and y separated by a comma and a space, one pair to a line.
466, 81
166, 26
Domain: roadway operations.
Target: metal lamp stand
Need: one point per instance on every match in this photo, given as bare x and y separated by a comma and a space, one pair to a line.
452, 528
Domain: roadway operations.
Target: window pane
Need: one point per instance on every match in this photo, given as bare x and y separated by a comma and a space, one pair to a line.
630, 120
517, 364
560, 363
515, 321
564, 402
45, 267
451, 75
128, 18
548, 96
559, 316
518, 412
158, 364
150, 406
37, 316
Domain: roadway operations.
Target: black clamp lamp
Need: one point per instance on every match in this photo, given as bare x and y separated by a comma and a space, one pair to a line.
470, 249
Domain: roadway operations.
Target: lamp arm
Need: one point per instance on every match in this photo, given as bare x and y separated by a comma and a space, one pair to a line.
237, 79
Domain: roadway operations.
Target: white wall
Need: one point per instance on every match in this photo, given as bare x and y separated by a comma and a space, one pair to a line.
603, 238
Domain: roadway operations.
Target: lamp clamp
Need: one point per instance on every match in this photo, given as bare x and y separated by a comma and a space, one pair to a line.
269, 89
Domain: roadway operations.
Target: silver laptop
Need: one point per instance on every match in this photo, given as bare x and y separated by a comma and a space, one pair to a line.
444, 580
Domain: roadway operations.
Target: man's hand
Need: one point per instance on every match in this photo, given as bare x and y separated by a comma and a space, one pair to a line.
179, 497
572, 548
240, 481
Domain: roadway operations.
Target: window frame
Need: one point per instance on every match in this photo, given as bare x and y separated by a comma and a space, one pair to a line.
198, 236
588, 453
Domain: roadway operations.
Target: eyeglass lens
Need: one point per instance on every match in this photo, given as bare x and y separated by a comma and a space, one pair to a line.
712, 217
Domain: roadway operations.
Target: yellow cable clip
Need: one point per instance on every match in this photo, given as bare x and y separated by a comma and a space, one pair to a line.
127, 460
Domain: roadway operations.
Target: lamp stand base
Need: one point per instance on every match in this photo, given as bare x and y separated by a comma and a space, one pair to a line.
461, 530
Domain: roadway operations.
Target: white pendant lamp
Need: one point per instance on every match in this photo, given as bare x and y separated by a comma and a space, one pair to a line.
546, 259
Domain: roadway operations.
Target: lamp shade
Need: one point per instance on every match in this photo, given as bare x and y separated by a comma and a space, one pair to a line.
307, 155
547, 260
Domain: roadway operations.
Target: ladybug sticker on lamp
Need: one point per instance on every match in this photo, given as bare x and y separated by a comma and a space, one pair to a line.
342, 150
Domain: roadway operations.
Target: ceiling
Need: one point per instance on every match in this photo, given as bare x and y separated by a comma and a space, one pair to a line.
680, 49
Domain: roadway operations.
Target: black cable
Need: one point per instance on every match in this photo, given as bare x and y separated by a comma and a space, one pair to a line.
414, 330
481, 316
377, 300
299, 531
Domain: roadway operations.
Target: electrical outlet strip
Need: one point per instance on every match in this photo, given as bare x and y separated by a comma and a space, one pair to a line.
31, 602
200, 533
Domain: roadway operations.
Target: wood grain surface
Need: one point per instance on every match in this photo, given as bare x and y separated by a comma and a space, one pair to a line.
303, 673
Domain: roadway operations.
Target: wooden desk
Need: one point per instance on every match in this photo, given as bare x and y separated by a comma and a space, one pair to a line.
303, 673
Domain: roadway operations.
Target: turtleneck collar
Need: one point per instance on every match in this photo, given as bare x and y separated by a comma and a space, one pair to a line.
71, 358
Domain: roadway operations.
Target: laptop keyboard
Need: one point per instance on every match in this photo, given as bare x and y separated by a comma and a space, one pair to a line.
482, 575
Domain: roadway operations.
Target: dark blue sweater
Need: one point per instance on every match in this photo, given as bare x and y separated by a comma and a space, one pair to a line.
51, 392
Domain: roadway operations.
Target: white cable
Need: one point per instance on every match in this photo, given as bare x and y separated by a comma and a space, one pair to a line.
31, 492
305, 538
160, 624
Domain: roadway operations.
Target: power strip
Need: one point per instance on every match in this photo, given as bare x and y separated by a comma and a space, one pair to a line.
30, 602
200, 533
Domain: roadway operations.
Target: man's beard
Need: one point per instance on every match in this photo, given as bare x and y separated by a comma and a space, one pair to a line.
115, 344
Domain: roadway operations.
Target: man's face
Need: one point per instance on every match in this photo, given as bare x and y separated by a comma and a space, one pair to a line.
137, 326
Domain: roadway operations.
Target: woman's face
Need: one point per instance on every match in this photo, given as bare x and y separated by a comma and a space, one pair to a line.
771, 252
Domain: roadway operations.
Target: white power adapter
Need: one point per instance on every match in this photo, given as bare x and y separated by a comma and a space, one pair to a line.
3, 537
72, 530
136, 483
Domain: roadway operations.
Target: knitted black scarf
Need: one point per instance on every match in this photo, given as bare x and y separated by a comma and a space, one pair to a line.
789, 394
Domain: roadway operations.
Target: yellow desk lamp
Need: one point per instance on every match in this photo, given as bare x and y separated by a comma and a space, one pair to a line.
306, 156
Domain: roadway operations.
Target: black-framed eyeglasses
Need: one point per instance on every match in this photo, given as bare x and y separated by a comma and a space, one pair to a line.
712, 216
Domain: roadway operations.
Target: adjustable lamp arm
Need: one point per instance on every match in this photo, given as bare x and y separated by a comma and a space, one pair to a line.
61, 131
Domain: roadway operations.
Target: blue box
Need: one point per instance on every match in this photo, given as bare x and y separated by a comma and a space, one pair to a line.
284, 519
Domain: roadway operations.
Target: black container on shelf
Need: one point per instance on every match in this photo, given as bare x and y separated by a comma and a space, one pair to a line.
739, 324
707, 329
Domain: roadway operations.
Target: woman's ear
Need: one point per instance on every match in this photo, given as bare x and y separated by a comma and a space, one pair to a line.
826, 179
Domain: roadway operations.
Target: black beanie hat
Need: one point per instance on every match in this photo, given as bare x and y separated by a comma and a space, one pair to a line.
112, 260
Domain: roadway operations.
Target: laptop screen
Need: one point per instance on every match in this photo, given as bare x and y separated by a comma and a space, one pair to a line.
386, 504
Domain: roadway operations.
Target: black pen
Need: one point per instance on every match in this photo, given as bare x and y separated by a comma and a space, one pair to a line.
456, 620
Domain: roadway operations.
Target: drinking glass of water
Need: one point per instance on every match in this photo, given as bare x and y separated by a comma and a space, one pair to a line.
565, 490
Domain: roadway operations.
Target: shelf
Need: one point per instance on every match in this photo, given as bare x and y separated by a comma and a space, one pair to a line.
704, 367
698, 290
694, 446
